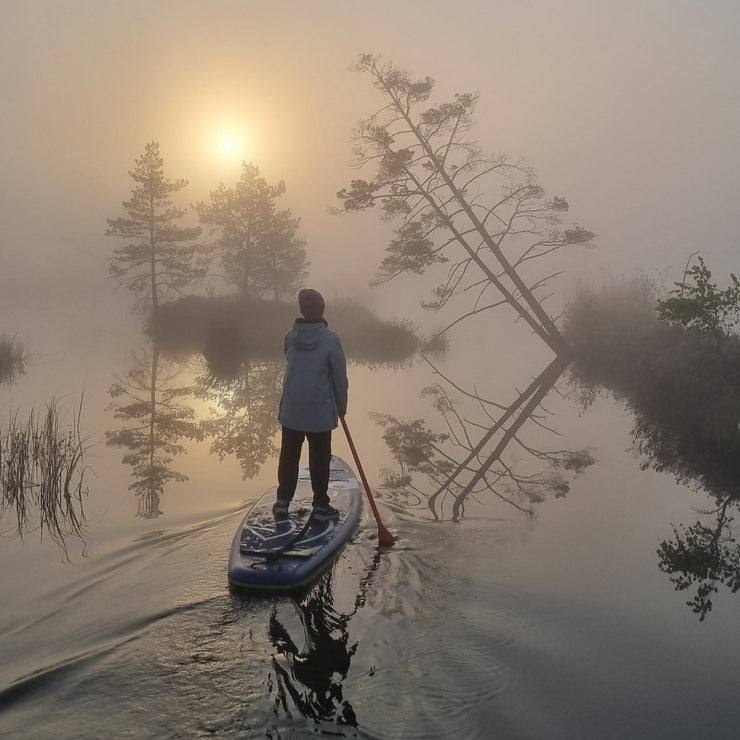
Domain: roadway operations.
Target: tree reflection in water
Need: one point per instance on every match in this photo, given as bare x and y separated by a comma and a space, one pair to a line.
156, 416
244, 420
312, 676
468, 460
704, 554
241, 382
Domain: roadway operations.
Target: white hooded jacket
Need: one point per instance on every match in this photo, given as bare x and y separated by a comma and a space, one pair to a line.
315, 383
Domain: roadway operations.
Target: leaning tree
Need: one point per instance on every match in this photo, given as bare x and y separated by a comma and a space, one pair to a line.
485, 216
486, 224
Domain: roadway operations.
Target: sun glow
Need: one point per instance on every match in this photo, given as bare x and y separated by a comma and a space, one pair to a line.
220, 142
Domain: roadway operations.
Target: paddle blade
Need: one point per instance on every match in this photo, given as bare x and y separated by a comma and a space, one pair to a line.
385, 538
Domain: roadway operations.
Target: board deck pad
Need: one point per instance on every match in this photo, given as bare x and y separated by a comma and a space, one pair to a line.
257, 560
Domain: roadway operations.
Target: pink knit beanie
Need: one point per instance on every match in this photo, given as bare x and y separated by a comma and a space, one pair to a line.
311, 304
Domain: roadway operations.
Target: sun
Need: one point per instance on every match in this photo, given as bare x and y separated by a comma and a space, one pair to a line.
229, 145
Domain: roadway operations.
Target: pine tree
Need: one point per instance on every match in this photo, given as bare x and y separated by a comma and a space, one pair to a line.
160, 257
257, 244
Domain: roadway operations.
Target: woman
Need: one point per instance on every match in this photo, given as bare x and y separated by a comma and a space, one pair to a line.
314, 397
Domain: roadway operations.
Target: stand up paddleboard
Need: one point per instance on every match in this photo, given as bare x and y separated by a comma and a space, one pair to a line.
269, 555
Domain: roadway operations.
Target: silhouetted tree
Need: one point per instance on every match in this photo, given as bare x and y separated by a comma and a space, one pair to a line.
156, 420
256, 244
160, 257
431, 180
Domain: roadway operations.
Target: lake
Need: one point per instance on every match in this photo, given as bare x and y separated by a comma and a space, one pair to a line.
496, 623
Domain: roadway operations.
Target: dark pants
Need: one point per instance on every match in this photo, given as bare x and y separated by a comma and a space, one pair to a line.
319, 459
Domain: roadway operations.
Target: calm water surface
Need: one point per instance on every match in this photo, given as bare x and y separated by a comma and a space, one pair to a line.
556, 626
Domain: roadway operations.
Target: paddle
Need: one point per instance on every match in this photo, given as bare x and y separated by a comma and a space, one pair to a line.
385, 538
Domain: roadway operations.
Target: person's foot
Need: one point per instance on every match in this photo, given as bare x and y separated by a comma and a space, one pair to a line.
324, 513
280, 510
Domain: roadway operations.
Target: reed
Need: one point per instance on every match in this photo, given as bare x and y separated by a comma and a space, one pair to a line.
42, 474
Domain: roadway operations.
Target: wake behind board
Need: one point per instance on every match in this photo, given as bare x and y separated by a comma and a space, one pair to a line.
257, 560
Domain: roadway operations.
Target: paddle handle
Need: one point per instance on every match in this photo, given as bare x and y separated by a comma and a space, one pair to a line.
385, 538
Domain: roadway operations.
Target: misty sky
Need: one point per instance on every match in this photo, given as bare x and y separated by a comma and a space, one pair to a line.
631, 110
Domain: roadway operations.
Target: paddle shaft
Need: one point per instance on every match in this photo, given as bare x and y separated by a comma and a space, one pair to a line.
385, 538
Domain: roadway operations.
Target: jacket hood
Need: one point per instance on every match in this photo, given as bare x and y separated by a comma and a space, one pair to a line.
307, 334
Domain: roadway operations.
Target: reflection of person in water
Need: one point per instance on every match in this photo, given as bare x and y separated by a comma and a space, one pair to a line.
323, 665
314, 396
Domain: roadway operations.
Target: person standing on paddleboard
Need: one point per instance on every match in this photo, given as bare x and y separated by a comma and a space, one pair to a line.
314, 398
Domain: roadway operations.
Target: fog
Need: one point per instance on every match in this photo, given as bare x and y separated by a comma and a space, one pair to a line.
524, 581
629, 116
631, 112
